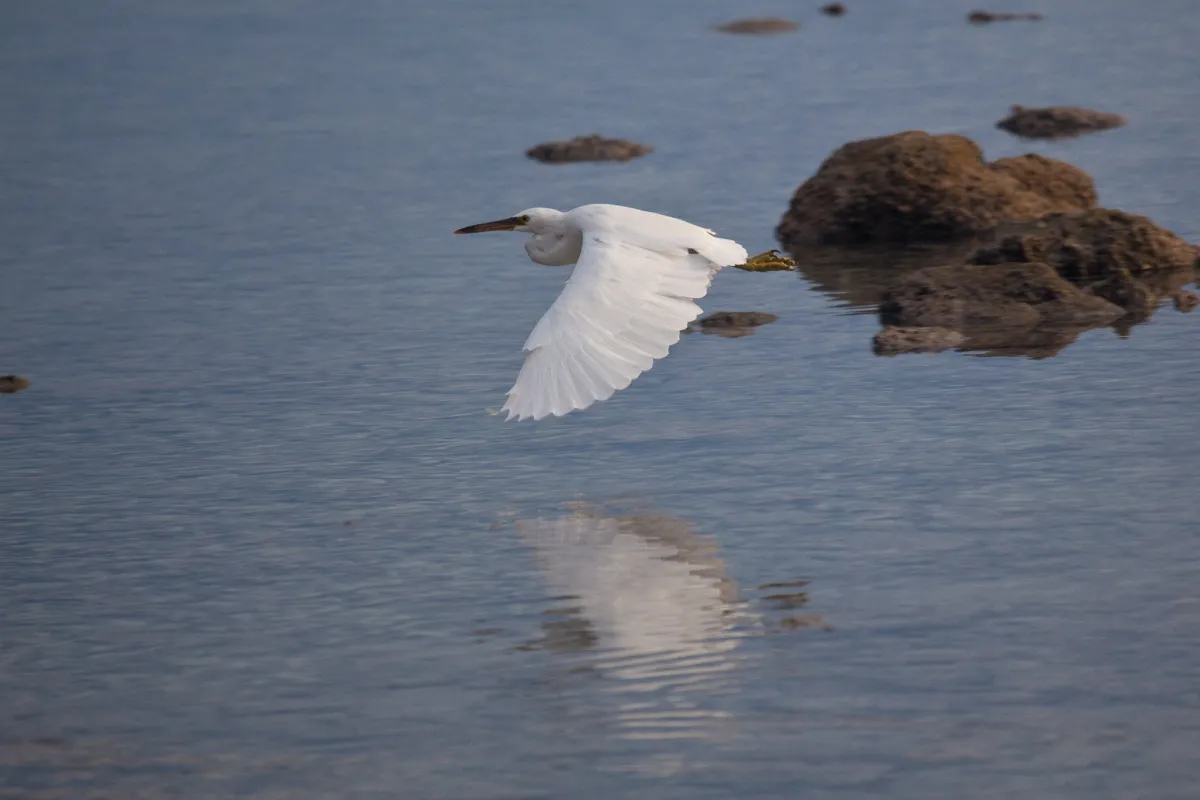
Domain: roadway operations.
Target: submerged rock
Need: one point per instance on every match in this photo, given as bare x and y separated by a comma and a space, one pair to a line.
918, 187
1057, 122
1011, 295
1006, 309
895, 340
587, 148
759, 26
1185, 301
1022, 288
984, 17
732, 324
11, 384
833, 9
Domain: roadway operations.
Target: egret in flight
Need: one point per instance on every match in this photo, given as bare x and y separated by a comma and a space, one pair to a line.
631, 293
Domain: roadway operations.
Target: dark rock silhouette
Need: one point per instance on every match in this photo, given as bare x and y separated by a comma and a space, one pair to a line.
1057, 122
833, 9
894, 340
587, 148
984, 17
759, 26
11, 384
732, 324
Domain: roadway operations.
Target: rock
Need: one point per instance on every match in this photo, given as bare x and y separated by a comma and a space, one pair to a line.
833, 9
805, 621
1057, 122
984, 17
1098, 246
918, 187
1004, 310
732, 324
759, 26
588, 148
1123, 290
11, 384
1008, 295
1185, 301
895, 340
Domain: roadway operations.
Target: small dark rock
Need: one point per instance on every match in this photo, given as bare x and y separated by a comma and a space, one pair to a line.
805, 621
1185, 301
984, 17
1122, 289
587, 148
759, 26
895, 340
916, 187
11, 384
833, 9
1057, 122
732, 324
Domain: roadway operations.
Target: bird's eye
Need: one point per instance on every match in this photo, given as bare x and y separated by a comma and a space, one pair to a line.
523, 219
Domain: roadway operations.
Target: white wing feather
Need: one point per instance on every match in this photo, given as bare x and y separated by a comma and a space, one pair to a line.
628, 298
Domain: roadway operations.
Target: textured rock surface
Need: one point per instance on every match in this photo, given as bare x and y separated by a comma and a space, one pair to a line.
1185, 301
917, 187
587, 148
1091, 246
1057, 122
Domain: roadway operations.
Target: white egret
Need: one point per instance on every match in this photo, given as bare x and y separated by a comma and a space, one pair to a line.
636, 277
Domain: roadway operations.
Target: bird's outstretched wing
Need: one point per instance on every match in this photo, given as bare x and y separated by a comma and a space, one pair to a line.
623, 307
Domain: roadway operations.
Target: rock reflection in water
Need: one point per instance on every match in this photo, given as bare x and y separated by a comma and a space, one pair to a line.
856, 277
648, 604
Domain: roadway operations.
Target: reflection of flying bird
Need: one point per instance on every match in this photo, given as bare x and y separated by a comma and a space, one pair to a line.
631, 293
650, 602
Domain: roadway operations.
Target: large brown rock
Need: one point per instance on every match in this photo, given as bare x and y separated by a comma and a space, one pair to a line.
1123, 258
918, 187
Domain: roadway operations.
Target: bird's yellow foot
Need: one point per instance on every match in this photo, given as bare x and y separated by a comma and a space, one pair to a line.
770, 261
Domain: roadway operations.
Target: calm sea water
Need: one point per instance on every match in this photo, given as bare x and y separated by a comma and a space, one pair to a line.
261, 538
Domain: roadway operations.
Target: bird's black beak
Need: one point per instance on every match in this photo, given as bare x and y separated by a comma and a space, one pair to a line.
484, 227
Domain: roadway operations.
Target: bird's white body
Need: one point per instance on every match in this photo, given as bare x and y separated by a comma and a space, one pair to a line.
633, 290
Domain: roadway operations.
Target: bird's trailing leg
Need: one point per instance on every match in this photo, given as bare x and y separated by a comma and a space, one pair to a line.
770, 261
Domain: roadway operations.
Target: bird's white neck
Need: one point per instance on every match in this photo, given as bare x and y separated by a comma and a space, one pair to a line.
554, 243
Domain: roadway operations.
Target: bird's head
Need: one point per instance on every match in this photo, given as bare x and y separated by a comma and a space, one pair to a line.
531, 220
